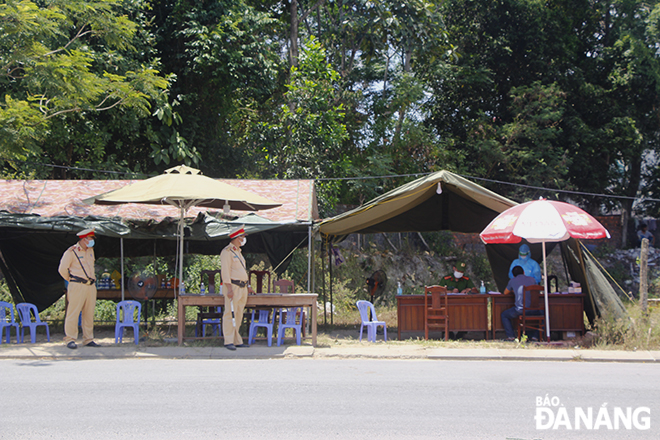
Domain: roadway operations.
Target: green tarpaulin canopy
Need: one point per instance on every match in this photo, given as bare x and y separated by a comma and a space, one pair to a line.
32, 246
39, 220
446, 201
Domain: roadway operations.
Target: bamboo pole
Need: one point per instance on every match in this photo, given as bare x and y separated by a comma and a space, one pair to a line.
643, 276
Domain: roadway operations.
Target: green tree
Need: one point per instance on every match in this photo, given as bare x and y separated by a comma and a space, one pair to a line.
561, 94
63, 64
306, 139
226, 57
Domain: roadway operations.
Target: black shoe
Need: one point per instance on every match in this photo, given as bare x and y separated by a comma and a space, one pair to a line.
92, 344
72, 345
230, 347
243, 346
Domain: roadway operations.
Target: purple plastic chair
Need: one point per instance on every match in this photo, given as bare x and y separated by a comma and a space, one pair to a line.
25, 311
372, 324
213, 322
263, 320
7, 320
290, 318
125, 318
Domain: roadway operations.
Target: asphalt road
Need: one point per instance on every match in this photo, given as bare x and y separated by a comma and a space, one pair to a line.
320, 399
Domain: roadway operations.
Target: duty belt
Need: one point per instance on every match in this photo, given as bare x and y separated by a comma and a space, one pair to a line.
239, 283
75, 279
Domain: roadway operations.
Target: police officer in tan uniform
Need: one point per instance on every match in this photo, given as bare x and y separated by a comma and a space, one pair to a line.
235, 287
77, 269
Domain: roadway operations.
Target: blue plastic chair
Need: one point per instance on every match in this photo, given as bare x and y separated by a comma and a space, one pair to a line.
215, 324
7, 320
371, 324
262, 320
25, 311
291, 317
126, 318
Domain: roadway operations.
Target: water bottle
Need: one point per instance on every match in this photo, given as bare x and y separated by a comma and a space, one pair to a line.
482, 289
202, 289
182, 288
399, 291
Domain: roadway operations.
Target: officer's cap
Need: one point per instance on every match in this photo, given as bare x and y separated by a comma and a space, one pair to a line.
237, 232
86, 233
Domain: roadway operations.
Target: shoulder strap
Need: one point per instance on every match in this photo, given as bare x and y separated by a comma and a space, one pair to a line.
239, 259
81, 265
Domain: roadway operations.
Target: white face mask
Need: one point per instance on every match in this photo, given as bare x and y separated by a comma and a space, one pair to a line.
243, 241
90, 243
458, 275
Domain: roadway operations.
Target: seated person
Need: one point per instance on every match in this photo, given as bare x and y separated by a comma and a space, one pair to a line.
456, 282
643, 232
516, 286
524, 260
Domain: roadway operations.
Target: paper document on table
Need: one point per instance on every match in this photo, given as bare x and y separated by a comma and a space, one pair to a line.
494, 293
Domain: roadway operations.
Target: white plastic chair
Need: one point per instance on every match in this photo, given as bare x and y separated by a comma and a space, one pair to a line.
372, 324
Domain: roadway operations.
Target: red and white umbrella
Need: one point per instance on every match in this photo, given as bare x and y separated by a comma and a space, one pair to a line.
542, 221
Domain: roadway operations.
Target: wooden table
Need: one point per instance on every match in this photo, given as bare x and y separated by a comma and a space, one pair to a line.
470, 312
258, 300
466, 313
566, 311
115, 294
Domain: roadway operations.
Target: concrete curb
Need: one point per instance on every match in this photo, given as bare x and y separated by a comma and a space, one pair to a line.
362, 351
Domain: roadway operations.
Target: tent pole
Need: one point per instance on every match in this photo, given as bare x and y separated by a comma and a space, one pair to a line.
545, 296
121, 251
309, 259
330, 268
325, 317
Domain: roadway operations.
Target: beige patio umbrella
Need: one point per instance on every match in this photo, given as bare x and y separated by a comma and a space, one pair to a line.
185, 187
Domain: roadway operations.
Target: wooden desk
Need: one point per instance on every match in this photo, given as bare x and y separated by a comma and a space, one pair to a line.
466, 313
115, 294
566, 311
258, 300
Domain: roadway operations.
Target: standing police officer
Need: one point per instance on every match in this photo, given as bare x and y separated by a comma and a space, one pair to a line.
235, 287
77, 269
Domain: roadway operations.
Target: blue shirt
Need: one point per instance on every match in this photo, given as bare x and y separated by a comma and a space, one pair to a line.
530, 266
516, 285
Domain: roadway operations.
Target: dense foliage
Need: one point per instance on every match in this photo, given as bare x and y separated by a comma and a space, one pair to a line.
559, 94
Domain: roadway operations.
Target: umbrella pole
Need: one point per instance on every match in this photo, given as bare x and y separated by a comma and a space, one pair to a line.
181, 249
545, 296
121, 249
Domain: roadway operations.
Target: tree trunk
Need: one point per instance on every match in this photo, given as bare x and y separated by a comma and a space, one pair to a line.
294, 33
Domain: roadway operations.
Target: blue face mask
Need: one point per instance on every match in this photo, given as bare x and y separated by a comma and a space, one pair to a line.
91, 243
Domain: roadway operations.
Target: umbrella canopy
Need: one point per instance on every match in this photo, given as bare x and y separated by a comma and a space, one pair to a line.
542, 221
185, 187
